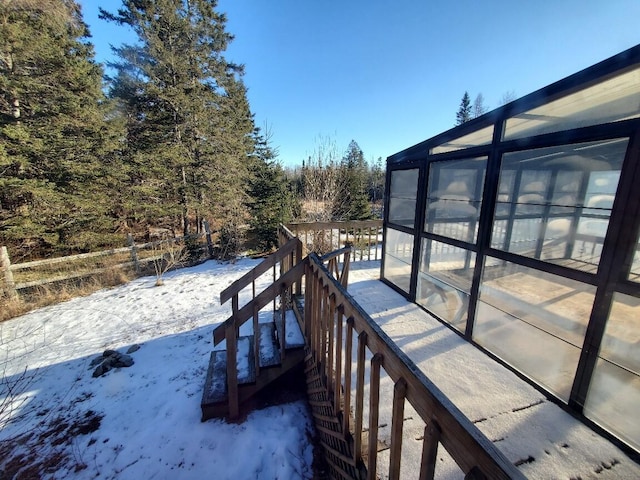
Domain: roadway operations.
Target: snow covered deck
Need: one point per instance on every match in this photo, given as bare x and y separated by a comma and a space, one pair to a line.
534, 433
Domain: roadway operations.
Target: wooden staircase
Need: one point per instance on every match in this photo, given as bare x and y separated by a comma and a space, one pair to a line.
258, 365
274, 348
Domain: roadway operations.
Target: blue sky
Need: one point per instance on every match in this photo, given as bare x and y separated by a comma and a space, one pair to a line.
390, 74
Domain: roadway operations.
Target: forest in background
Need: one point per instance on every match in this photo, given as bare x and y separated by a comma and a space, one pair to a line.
167, 141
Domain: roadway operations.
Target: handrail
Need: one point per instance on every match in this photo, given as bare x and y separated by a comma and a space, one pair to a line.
329, 309
261, 300
228, 330
292, 246
332, 264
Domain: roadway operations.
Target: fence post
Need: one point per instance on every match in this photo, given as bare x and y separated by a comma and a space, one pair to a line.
134, 252
207, 231
10, 285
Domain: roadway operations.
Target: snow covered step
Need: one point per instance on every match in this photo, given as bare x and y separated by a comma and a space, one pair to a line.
245, 362
215, 386
293, 335
269, 351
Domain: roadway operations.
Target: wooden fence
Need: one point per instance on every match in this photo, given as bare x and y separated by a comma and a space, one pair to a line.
134, 257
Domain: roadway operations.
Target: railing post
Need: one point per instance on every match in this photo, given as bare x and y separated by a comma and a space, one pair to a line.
10, 286
134, 252
232, 371
298, 260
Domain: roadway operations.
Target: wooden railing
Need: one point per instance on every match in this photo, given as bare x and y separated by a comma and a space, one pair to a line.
284, 285
365, 236
333, 322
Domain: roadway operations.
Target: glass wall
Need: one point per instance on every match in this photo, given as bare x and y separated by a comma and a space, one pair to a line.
397, 258
402, 197
444, 281
534, 321
454, 198
554, 203
525, 219
614, 392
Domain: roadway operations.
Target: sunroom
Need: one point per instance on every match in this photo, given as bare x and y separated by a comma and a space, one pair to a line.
519, 230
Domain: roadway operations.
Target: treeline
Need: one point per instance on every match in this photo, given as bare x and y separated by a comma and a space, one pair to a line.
168, 140
330, 186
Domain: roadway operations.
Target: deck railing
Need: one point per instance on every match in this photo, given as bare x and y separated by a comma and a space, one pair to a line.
341, 336
365, 236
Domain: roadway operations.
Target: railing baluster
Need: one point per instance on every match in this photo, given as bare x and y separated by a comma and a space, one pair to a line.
374, 413
339, 350
331, 325
429, 450
362, 343
348, 360
283, 313
324, 320
397, 421
256, 340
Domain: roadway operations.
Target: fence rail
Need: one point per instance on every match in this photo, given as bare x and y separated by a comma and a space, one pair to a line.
134, 256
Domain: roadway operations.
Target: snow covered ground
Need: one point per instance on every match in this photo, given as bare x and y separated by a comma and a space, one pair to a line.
140, 422
144, 421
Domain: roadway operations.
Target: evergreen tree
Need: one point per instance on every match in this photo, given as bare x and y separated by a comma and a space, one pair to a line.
464, 112
351, 202
56, 159
189, 120
271, 193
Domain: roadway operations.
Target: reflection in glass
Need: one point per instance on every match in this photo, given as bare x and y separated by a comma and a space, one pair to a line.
402, 197
444, 281
454, 198
397, 258
554, 203
473, 139
612, 100
614, 392
533, 320
634, 273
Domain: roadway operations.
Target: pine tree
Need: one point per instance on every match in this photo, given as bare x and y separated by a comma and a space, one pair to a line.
56, 160
189, 119
271, 194
464, 112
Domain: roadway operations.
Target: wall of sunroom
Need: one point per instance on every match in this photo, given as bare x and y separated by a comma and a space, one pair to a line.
524, 238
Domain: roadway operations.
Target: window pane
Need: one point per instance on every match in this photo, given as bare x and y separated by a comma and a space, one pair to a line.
444, 281
402, 201
535, 321
398, 257
614, 393
474, 139
554, 203
611, 100
454, 198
